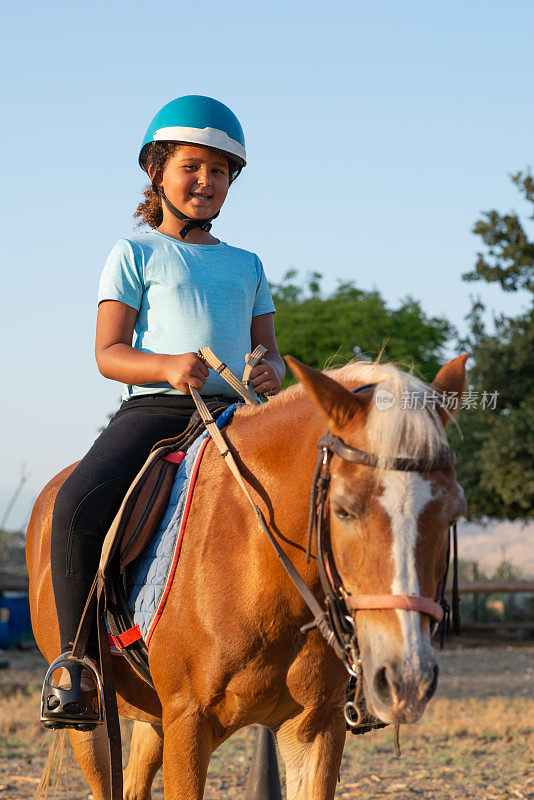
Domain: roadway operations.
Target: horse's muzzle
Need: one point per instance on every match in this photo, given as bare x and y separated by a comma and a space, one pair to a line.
399, 694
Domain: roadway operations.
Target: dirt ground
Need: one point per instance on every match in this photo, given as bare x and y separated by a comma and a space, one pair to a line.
476, 739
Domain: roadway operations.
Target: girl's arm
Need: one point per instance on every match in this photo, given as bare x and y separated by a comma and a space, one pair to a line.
267, 377
118, 360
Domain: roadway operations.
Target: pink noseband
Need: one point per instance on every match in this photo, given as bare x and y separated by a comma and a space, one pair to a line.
406, 602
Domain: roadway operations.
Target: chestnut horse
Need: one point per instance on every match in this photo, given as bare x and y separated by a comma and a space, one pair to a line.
228, 650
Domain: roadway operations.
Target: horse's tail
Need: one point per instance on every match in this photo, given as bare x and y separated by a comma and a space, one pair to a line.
58, 761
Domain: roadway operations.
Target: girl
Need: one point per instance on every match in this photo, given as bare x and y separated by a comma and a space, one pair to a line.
177, 288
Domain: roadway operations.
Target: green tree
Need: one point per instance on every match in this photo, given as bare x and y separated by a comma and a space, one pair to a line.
509, 258
326, 331
496, 458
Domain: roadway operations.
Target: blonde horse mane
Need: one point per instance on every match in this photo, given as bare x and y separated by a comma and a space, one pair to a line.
409, 426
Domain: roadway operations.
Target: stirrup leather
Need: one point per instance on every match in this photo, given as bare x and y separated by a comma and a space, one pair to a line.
73, 707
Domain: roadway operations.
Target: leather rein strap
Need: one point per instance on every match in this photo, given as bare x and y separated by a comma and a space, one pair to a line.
333, 621
320, 619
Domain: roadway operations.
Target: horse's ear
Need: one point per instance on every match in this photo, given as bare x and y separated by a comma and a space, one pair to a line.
340, 405
451, 381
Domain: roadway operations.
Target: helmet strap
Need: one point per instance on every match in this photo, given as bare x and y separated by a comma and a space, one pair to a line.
203, 224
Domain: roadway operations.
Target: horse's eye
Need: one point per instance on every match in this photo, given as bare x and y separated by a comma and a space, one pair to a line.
341, 513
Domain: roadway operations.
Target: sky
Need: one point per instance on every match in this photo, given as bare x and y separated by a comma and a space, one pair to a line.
376, 135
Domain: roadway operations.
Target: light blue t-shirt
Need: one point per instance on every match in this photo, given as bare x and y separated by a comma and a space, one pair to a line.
187, 296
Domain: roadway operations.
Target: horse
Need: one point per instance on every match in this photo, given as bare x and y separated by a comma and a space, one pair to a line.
228, 650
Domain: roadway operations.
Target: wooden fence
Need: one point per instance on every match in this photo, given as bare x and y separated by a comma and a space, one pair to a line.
481, 590
13, 583
495, 587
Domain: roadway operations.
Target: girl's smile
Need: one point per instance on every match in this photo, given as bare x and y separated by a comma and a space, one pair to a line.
200, 197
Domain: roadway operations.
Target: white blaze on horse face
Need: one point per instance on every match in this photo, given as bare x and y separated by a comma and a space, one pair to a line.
404, 497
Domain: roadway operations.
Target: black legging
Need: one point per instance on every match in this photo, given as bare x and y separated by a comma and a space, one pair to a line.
90, 497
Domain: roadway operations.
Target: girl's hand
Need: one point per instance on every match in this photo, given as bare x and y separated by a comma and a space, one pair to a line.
185, 370
264, 378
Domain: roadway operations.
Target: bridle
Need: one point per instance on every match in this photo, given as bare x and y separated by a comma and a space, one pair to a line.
340, 605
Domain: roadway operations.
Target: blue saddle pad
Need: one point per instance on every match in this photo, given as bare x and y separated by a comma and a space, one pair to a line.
147, 577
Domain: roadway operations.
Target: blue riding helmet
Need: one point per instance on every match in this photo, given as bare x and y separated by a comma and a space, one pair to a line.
195, 119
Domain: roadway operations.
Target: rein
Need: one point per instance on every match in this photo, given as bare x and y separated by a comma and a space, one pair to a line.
334, 620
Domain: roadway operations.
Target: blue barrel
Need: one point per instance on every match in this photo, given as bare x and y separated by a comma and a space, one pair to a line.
15, 621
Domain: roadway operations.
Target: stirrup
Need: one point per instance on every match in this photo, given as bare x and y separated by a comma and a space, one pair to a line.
81, 709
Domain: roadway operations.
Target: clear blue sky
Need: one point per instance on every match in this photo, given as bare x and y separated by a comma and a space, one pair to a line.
376, 134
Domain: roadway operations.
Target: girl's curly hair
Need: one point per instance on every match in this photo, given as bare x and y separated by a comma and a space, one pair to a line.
150, 212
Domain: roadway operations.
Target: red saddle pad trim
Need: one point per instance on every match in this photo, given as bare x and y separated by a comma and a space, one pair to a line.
176, 458
127, 637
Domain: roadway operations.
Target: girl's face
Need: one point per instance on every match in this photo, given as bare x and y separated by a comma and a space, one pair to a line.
195, 180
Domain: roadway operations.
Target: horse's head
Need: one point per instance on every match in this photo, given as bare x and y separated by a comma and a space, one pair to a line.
389, 527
